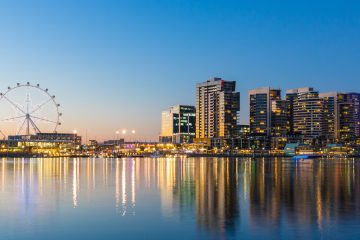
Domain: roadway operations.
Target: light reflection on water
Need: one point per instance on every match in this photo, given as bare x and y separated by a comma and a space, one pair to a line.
177, 198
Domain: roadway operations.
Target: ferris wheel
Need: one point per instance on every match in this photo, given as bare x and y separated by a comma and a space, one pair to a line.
28, 109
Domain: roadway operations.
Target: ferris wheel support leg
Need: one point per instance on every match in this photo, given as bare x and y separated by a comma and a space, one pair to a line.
36, 129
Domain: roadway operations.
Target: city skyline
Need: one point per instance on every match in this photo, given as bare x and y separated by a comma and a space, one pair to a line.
130, 133
112, 64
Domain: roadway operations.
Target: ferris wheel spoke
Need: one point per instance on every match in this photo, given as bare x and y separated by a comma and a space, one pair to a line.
21, 127
43, 119
28, 101
40, 106
14, 104
12, 118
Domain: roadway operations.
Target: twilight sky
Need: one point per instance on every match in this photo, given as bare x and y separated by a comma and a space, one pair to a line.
117, 64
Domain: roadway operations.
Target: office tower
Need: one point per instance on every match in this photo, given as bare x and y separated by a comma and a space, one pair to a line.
279, 124
290, 97
338, 116
345, 130
178, 124
267, 112
217, 105
167, 128
355, 99
306, 115
329, 116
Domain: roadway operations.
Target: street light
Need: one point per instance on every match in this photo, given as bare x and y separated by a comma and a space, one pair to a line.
116, 141
123, 131
75, 131
117, 135
133, 133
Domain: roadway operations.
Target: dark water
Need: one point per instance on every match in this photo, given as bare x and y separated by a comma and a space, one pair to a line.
173, 198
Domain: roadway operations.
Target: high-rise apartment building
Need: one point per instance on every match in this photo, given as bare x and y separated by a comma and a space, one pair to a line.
355, 99
338, 116
267, 112
178, 124
217, 105
305, 117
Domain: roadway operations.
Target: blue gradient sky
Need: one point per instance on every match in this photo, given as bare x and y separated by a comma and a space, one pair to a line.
118, 64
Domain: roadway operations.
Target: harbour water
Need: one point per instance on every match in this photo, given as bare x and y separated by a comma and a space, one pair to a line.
179, 198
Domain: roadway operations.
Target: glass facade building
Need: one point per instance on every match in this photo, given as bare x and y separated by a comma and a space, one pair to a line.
178, 124
267, 112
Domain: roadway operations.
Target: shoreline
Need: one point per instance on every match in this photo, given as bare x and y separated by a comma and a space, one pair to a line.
254, 156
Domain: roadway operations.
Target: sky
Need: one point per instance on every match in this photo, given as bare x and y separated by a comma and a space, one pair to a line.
116, 65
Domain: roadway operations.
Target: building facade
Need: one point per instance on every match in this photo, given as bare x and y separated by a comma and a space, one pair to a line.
338, 116
306, 116
268, 112
355, 99
44, 144
48, 137
242, 131
290, 97
279, 118
178, 124
217, 105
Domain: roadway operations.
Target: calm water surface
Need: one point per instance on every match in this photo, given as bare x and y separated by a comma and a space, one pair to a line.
179, 198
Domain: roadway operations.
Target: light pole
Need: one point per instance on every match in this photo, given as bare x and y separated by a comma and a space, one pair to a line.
116, 140
133, 139
133, 133
123, 133
75, 133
